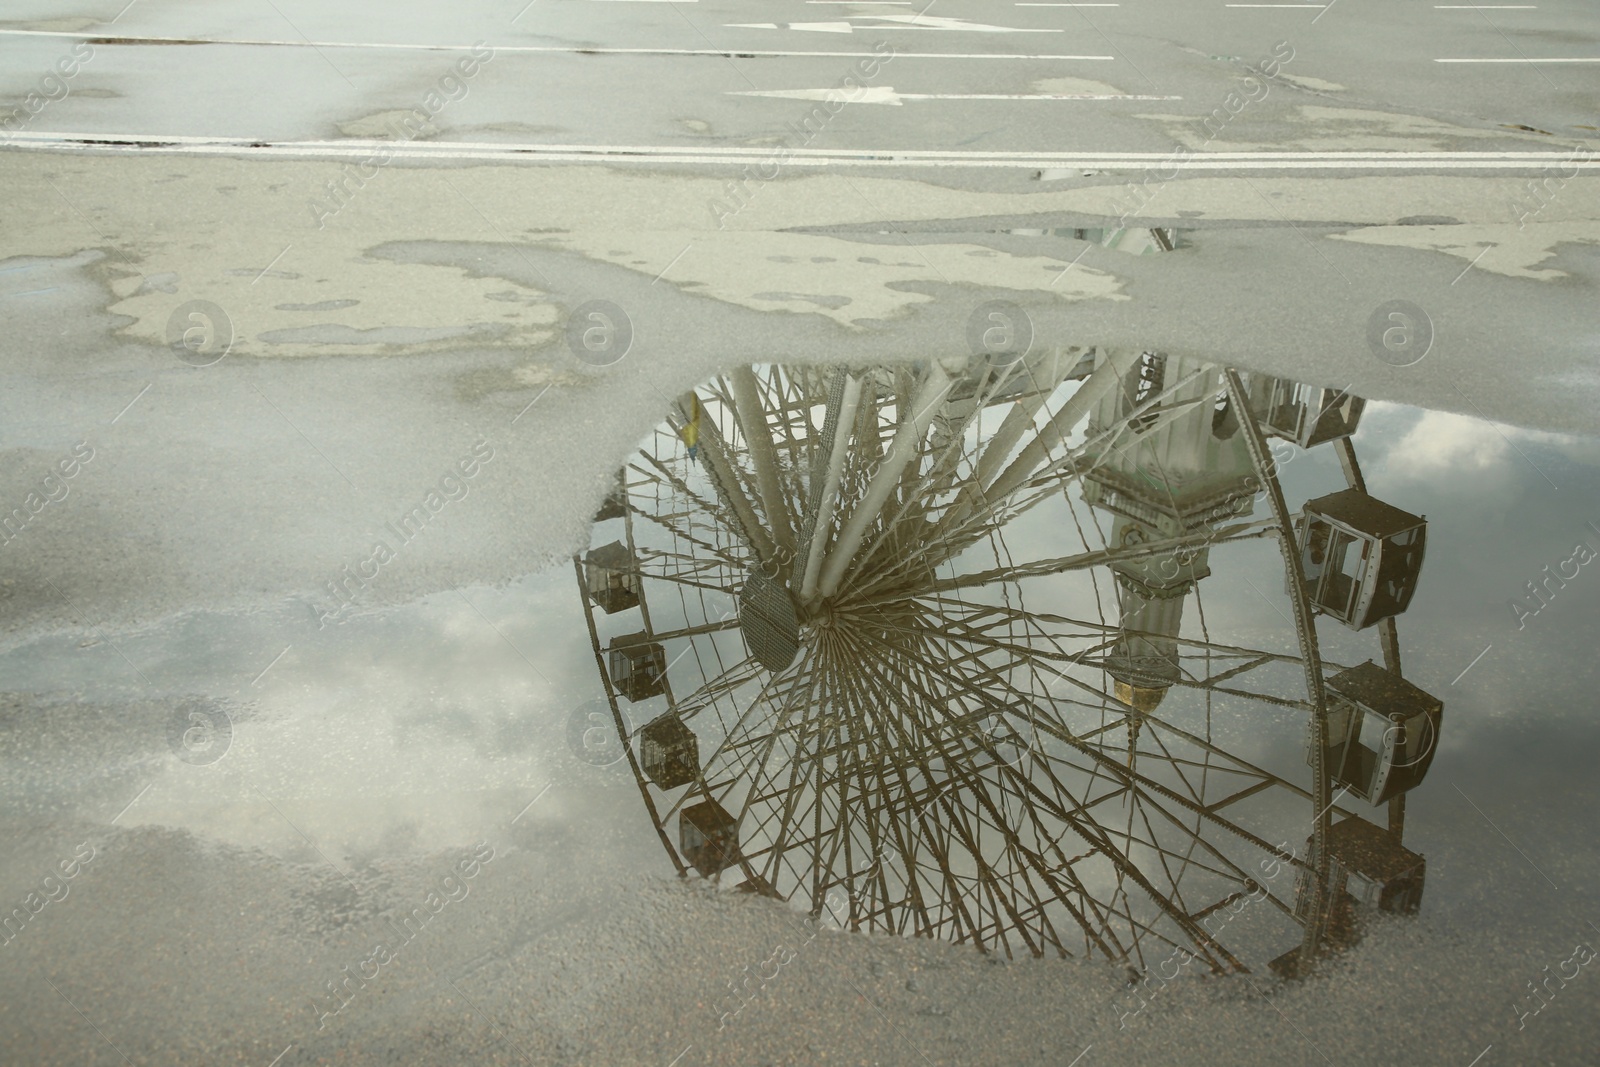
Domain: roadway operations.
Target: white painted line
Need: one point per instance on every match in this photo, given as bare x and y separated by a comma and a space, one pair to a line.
901, 158
905, 22
281, 1055
886, 94
519, 49
865, 3
1020, 3
1480, 1056
353, 147
1486, 7
1568, 59
1308, 7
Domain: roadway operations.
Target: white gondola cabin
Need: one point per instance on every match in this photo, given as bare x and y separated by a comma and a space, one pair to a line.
638, 666
1305, 414
612, 578
708, 837
1382, 732
1369, 870
1361, 557
670, 752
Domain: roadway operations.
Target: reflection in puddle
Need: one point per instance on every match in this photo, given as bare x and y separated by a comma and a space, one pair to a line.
932, 639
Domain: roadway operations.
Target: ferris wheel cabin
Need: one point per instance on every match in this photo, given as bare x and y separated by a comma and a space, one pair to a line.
638, 666
670, 752
1361, 557
1305, 414
708, 837
611, 578
1382, 731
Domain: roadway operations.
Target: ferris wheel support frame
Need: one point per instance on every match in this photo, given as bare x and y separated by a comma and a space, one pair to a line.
1306, 630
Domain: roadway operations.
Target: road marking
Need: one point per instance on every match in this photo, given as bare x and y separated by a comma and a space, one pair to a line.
1308, 7
885, 94
1035, 4
1479, 1056
359, 148
898, 22
1486, 7
1558, 59
726, 53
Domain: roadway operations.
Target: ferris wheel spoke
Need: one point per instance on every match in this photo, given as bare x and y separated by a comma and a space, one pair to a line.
828, 460
888, 696
791, 796
1141, 786
902, 449
1035, 475
726, 480
1084, 560
750, 414
981, 796
660, 474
